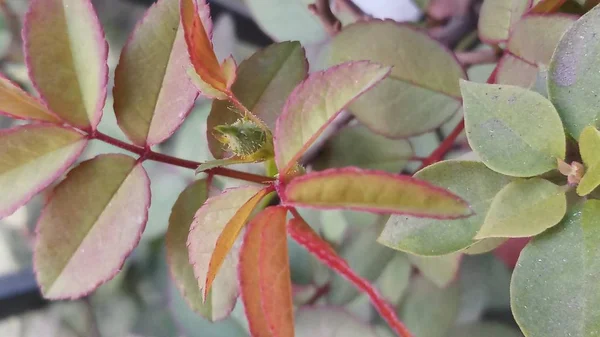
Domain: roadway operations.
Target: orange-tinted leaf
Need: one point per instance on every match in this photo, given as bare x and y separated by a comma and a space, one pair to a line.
215, 228
16, 103
212, 79
546, 6
267, 292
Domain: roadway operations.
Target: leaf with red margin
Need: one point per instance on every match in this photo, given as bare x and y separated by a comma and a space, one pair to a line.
93, 220
16, 103
222, 297
497, 17
31, 158
215, 228
373, 191
315, 102
213, 79
152, 93
66, 55
267, 292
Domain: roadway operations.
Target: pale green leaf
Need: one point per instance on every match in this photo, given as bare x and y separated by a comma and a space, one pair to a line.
31, 158
554, 289
523, 208
429, 311
514, 131
102, 201
358, 146
484, 329
574, 75
422, 90
152, 94
472, 181
223, 295
263, 83
315, 103
66, 56
441, 270
395, 278
330, 322
497, 17
589, 145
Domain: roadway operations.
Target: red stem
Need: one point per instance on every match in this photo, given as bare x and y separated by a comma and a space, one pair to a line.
148, 154
300, 231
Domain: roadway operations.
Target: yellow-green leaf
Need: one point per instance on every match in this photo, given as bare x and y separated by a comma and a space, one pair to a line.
497, 17
589, 148
514, 131
31, 158
66, 56
16, 103
373, 191
103, 201
523, 208
441, 270
215, 229
222, 297
422, 90
315, 103
152, 94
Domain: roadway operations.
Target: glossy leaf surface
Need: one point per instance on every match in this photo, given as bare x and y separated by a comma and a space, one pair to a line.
102, 200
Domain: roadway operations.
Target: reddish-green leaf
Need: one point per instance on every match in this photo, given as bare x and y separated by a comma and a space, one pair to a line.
66, 56
215, 228
315, 103
222, 297
16, 103
211, 78
92, 222
373, 191
264, 274
263, 82
498, 16
152, 93
31, 158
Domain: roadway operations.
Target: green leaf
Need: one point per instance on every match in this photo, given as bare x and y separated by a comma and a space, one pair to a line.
263, 83
223, 295
523, 208
429, 311
31, 158
473, 182
102, 201
315, 103
66, 57
422, 91
395, 278
368, 265
514, 131
554, 289
484, 329
574, 75
441, 270
287, 20
152, 94
484, 246
530, 46
373, 191
329, 322
358, 146
589, 143
497, 17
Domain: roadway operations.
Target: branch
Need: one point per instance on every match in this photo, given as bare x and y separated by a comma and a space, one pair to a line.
301, 232
148, 154
322, 10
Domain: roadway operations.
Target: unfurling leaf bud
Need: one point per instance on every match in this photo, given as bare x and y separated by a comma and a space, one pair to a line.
246, 139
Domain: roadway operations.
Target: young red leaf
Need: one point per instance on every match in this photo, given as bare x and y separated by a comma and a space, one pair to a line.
264, 274
31, 158
215, 228
301, 232
66, 55
16, 103
152, 93
373, 191
103, 201
315, 103
224, 292
213, 80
